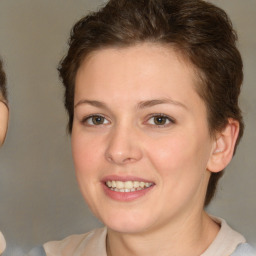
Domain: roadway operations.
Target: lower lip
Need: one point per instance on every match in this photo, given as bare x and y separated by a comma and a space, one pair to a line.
125, 196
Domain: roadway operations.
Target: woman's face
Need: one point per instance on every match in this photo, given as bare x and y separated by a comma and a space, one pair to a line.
140, 138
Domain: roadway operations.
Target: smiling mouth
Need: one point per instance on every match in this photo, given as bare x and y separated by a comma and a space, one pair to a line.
127, 186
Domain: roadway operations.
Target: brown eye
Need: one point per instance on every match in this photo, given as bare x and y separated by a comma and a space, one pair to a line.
160, 120
96, 120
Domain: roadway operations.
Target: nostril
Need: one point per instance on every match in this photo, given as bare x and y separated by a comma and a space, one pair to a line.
109, 158
119, 158
127, 160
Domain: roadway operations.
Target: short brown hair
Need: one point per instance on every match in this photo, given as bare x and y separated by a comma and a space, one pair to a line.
3, 92
200, 31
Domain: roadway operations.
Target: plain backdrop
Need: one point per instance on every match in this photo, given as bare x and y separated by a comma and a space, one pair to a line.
39, 197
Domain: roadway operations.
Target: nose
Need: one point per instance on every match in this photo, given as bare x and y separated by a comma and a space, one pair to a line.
123, 146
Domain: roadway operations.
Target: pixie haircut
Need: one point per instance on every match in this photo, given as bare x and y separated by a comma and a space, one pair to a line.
3, 93
201, 32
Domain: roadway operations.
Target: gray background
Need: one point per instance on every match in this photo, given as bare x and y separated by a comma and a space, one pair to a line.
39, 197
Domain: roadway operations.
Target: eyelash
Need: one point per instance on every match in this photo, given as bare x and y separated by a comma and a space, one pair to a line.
87, 118
157, 115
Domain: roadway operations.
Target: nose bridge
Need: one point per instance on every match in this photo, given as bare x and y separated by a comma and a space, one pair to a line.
123, 146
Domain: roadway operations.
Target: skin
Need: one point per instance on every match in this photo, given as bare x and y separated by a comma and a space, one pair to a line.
127, 87
4, 116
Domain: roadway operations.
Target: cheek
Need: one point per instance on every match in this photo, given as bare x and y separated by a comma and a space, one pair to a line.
86, 151
181, 164
179, 153
169, 152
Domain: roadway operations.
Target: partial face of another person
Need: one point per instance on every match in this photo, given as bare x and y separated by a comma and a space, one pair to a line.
4, 114
140, 138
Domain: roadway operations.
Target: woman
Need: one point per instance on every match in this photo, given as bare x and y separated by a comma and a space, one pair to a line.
4, 112
151, 89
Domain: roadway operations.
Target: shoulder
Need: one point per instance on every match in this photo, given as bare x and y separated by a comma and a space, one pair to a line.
91, 243
2, 243
228, 242
37, 251
244, 250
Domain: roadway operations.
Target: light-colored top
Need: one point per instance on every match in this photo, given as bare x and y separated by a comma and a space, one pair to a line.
2, 243
94, 243
226, 242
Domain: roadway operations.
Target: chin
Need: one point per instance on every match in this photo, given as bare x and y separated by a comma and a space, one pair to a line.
127, 228
127, 223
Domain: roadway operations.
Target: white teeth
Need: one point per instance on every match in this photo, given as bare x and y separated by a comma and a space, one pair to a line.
147, 185
136, 184
127, 186
119, 184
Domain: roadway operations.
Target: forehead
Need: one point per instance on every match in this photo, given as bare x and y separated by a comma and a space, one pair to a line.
138, 70
141, 61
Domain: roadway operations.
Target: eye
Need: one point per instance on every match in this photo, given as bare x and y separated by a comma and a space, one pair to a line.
95, 120
160, 120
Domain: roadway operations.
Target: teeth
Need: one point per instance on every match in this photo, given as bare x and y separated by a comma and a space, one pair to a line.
136, 184
119, 184
127, 186
147, 185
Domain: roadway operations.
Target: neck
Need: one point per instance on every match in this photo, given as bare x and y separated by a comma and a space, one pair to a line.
190, 237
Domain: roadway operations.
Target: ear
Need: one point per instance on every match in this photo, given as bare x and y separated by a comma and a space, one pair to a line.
4, 116
223, 147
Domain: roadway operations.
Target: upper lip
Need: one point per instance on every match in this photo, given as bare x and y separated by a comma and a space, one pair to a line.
124, 178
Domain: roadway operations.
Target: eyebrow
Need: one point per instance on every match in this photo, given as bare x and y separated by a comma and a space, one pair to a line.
94, 103
151, 103
141, 105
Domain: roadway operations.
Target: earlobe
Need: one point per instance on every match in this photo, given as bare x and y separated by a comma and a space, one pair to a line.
223, 147
4, 116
